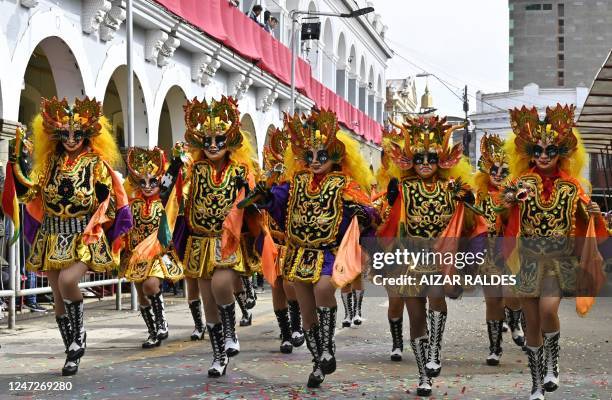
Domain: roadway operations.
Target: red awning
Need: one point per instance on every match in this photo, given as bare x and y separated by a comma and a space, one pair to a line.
229, 25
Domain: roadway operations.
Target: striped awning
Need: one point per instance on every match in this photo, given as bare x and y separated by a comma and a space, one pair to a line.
595, 119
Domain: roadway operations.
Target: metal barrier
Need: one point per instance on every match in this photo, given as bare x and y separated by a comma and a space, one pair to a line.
14, 290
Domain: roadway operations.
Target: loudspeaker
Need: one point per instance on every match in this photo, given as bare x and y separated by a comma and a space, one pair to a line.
311, 31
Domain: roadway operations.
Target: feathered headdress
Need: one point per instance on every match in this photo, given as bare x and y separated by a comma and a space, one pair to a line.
317, 131
215, 119
425, 135
84, 115
142, 163
491, 153
557, 129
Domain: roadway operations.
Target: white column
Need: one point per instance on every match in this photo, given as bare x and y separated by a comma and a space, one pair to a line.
371, 107
363, 96
379, 109
342, 79
353, 89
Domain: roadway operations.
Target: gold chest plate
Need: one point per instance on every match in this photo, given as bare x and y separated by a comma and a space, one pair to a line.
315, 215
145, 220
428, 209
549, 218
69, 191
209, 202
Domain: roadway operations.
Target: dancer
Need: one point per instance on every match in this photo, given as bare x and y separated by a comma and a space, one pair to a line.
252, 263
284, 298
548, 207
424, 199
207, 236
493, 171
145, 169
327, 190
395, 310
77, 208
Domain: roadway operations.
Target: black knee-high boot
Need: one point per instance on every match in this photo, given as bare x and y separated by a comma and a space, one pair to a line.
195, 307
297, 333
159, 309
78, 343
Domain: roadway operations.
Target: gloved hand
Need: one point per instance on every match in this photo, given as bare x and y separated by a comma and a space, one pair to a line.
392, 191
242, 183
102, 191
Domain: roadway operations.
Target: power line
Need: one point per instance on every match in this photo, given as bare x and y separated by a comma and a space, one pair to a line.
447, 84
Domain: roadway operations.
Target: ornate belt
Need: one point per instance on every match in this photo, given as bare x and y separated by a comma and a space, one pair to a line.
65, 226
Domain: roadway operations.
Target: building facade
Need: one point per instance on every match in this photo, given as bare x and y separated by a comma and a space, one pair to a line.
492, 114
401, 99
73, 48
557, 43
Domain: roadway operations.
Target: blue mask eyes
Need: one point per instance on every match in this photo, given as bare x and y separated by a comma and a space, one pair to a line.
432, 158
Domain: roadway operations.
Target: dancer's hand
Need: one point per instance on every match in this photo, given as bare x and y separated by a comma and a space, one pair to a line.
593, 208
392, 191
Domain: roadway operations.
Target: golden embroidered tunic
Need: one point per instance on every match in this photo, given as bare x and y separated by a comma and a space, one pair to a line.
147, 216
209, 198
68, 193
547, 227
316, 215
493, 264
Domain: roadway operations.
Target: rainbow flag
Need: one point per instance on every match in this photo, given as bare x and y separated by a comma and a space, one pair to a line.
10, 204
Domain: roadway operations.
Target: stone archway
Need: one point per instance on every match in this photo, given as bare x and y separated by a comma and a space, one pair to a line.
171, 120
248, 126
115, 108
51, 71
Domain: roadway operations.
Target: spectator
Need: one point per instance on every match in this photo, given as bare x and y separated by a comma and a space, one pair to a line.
255, 13
271, 25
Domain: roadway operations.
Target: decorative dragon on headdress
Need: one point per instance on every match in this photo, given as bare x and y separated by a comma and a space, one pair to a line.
422, 136
557, 129
217, 119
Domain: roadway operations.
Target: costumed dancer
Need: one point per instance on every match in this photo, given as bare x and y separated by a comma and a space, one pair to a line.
395, 311
76, 206
243, 292
284, 298
325, 193
145, 170
493, 170
557, 225
430, 193
206, 236
180, 158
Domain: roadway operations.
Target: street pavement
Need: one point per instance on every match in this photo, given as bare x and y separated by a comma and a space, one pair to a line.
115, 367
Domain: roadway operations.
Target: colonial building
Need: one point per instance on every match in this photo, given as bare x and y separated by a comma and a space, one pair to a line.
492, 114
209, 48
401, 99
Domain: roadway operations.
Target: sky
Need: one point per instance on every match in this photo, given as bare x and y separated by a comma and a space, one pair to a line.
460, 41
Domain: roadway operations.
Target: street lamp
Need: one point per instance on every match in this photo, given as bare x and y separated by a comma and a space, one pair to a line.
294, 19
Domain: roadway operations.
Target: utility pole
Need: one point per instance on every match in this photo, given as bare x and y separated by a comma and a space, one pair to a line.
466, 134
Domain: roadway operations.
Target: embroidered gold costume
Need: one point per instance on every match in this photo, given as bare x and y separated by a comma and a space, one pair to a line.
493, 162
208, 196
145, 166
63, 195
551, 213
68, 202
